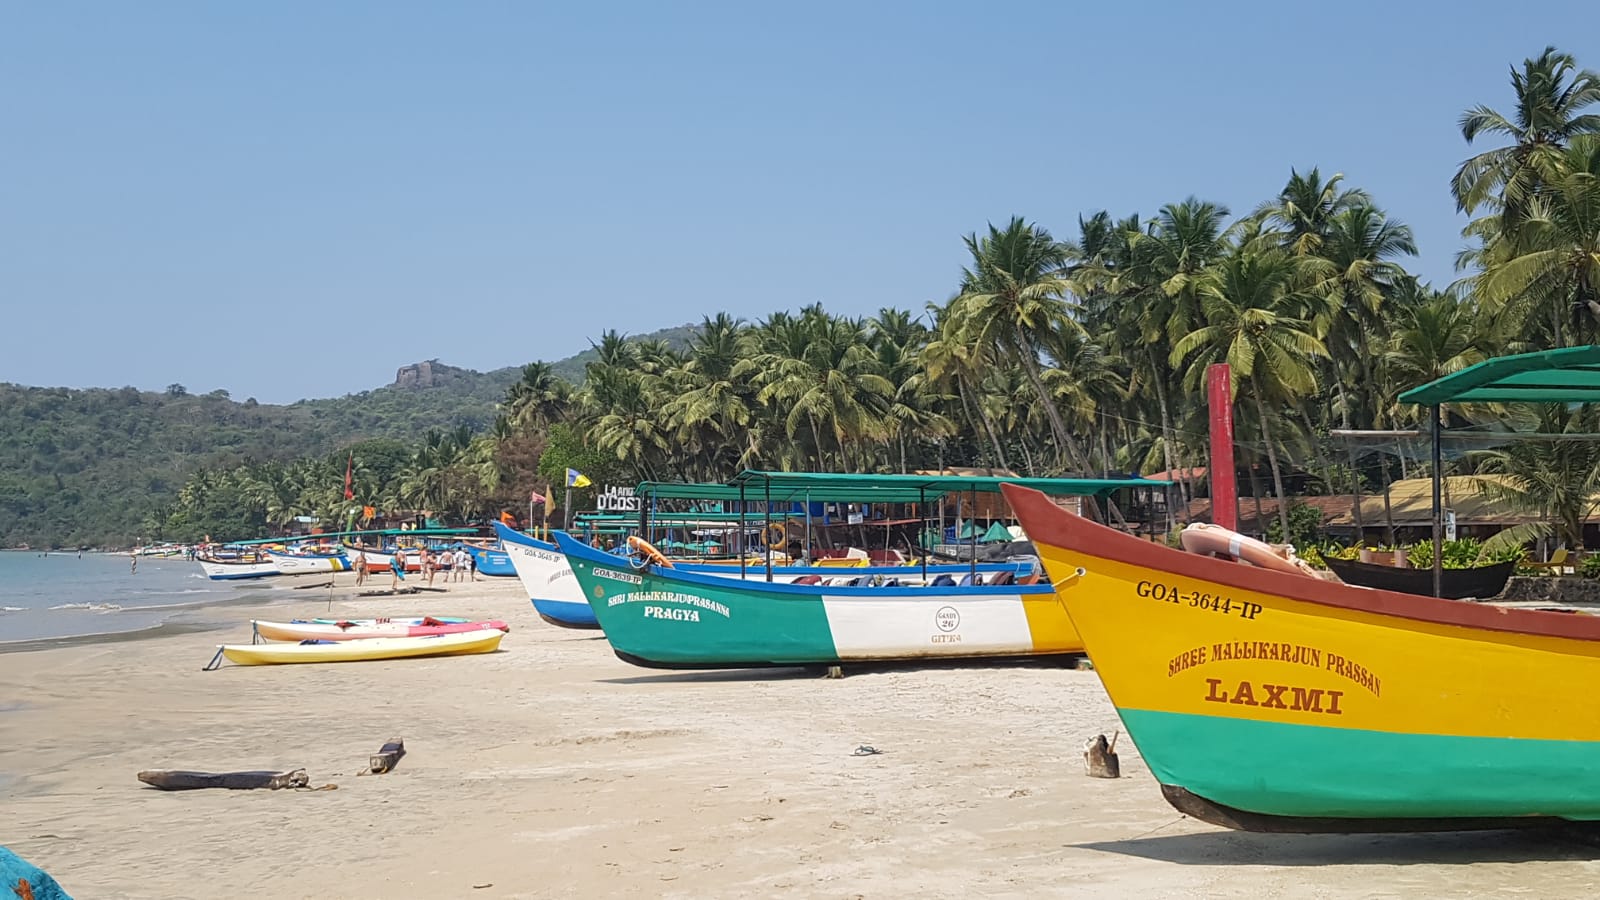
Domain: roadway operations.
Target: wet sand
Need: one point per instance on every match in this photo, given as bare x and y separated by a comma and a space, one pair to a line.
553, 769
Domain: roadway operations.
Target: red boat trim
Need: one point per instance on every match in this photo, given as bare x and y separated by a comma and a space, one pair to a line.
1047, 523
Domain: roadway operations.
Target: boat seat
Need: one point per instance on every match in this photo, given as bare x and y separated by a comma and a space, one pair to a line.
808, 579
942, 581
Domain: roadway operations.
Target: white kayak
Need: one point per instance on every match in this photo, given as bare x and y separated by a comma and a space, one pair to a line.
483, 641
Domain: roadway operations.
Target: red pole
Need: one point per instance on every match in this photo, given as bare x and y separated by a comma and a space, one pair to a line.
1224, 494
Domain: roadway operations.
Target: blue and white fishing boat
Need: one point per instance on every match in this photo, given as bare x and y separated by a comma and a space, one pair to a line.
547, 578
492, 561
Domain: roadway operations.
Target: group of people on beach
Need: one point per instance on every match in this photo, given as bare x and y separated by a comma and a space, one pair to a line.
457, 564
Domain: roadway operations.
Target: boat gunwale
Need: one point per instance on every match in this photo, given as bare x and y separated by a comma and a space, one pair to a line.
1061, 528
816, 591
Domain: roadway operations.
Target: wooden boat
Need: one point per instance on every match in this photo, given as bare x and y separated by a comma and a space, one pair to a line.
1481, 582
381, 560
228, 565
308, 563
547, 578
672, 618
481, 641
1271, 701
353, 631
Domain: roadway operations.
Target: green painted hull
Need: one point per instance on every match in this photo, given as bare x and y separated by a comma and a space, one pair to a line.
1308, 771
649, 623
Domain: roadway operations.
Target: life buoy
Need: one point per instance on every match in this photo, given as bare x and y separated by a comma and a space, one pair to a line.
777, 535
651, 554
1203, 538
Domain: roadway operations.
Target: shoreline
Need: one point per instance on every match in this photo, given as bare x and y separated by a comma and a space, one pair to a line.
551, 768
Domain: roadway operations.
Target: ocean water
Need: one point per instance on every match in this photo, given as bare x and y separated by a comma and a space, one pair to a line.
63, 595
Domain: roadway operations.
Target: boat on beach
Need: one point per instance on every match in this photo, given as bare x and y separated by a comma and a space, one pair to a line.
318, 651
308, 563
1271, 701
1481, 582
547, 578
492, 561
354, 631
664, 617
229, 565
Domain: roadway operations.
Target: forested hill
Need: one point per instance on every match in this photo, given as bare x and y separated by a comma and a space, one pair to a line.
91, 467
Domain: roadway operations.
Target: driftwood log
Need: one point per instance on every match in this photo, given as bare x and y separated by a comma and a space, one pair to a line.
180, 780
320, 584
387, 757
1100, 758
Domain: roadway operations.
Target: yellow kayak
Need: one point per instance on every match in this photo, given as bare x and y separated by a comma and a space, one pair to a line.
485, 641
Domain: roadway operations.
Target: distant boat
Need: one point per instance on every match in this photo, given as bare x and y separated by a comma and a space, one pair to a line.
1481, 582
490, 561
222, 564
308, 563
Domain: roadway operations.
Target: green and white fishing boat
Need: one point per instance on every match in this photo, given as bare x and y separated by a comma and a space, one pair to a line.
659, 616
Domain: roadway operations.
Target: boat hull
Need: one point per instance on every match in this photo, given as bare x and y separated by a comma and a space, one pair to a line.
547, 578
496, 563
1455, 584
485, 641
318, 564
676, 619
232, 571
1286, 696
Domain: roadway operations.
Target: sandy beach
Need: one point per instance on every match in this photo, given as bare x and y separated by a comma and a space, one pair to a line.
554, 769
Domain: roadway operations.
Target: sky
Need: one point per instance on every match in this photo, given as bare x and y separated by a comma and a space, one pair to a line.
293, 200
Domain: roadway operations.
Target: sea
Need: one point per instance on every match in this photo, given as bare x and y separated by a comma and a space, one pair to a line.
65, 595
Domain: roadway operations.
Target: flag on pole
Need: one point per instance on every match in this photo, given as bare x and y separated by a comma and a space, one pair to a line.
349, 467
577, 479
507, 519
535, 497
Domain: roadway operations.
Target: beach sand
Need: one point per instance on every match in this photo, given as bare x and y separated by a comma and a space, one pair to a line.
552, 768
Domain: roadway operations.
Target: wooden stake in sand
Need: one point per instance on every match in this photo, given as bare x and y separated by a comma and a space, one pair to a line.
1100, 757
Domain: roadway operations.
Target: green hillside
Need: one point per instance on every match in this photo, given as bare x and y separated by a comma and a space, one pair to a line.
92, 466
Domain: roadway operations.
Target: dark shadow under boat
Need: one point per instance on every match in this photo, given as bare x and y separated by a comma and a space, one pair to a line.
1482, 582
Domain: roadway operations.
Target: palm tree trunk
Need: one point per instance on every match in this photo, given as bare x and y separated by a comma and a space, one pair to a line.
1058, 426
1184, 487
1272, 460
1388, 511
988, 426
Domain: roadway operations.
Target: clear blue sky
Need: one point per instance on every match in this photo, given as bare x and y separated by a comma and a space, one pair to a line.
294, 199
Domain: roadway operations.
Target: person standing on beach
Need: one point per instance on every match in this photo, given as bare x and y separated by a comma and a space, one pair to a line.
397, 568
361, 567
464, 560
427, 565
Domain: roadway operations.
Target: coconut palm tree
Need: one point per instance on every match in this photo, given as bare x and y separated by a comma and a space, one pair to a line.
1552, 264
1551, 94
1246, 301
1013, 294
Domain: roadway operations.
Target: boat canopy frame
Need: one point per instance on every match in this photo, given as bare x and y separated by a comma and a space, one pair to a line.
767, 487
1567, 375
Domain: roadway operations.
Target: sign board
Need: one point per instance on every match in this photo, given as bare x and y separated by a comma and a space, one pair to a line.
1449, 524
855, 518
617, 499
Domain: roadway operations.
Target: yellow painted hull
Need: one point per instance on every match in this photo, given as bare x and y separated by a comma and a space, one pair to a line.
364, 650
1283, 695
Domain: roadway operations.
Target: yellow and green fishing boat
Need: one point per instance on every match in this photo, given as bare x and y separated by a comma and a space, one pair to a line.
1270, 701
